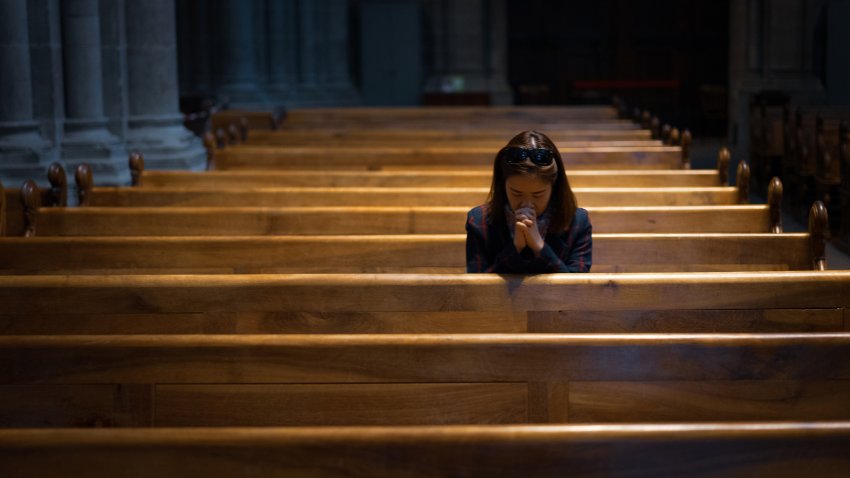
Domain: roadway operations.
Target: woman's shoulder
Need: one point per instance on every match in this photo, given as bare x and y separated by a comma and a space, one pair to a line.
477, 213
579, 224
476, 218
581, 216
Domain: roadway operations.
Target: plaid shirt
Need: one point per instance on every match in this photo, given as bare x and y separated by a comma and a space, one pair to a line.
492, 250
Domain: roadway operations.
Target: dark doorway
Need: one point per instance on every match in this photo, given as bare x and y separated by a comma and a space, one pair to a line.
668, 56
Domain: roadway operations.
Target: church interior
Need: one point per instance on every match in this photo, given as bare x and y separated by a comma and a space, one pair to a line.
424, 238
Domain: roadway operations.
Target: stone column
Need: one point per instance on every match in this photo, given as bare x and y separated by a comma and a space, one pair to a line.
21, 146
338, 79
86, 138
238, 58
309, 41
282, 48
155, 126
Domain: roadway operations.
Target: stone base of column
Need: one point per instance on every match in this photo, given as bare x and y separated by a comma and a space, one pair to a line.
90, 142
165, 143
24, 154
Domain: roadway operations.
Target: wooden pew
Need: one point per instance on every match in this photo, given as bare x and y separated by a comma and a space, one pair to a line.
422, 379
320, 115
255, 120
415, 178
727, 449
235, 221
386, 253
813, 153
391, 196
17, 214
426, 303
295, 138
317, 157
502, 134
382, 196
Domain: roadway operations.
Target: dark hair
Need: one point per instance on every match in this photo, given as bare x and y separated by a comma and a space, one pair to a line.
562, 204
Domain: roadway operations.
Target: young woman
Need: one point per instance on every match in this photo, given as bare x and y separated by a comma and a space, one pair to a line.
531, 222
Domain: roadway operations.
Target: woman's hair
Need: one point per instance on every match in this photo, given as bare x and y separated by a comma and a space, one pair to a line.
562, 204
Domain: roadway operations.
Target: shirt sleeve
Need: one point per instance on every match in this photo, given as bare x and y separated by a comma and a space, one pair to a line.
577, 256
507, 260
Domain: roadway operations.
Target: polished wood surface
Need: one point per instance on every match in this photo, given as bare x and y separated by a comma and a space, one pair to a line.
384, 253
391, 196
269, 380
224, 221
270, 157
728, 449
480, 177
114, 294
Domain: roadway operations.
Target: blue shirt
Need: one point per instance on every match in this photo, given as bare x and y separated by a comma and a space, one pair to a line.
491, 249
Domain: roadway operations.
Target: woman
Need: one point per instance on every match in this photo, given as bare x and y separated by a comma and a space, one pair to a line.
531, 222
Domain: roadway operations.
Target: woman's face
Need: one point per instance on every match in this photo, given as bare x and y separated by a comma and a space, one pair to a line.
528, 190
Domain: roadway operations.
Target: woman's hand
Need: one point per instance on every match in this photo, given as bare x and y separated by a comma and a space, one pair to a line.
519, 237
526, 225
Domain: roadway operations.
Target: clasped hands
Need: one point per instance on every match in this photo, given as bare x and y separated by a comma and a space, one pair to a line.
526, 232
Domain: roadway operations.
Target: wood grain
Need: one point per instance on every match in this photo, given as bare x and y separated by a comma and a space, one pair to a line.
230, 221
339, 379
270, 157
350, 404
387, 196
423, 292
386, 253
479, 177
688, 321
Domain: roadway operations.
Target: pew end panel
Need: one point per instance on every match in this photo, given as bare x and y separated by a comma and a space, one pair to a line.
58, 192
137, 168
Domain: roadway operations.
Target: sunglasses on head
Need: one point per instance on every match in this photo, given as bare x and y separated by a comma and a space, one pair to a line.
538, 156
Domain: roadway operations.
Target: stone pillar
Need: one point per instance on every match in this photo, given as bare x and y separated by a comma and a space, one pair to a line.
308, 35
21, 146
238, 58
194, 46
155, 126
338, 81
282, 48
86, 138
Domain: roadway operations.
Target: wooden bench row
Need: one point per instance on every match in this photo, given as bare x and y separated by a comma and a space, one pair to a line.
214, 195
389, 253
236, 221
480, 177
740, 449
398, 379
375, 158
